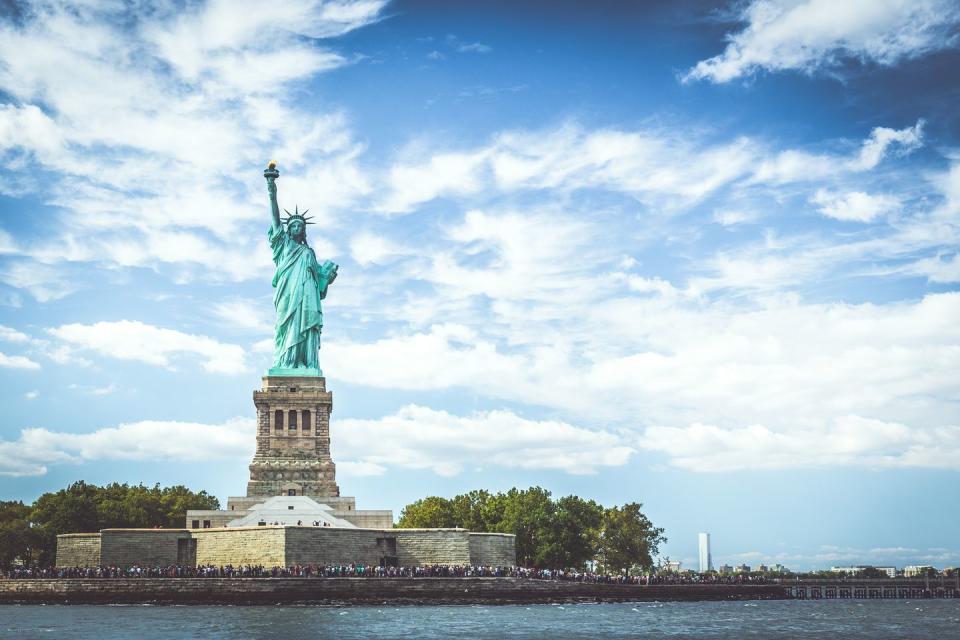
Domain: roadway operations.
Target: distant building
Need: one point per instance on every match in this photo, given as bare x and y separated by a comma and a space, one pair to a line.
672, 567
725, 568
850, 571
779, 568
762, 568
915, 570
860, 569
706, 561
742, 568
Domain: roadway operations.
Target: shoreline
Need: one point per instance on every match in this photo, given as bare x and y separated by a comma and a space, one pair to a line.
407, 591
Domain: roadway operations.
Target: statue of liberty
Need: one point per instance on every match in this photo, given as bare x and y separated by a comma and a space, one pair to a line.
300, 283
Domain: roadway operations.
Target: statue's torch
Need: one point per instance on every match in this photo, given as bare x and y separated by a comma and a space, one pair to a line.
271, 173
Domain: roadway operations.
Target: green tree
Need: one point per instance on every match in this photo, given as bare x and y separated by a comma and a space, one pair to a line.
429, 513
576, 532
176, 500
19, 542
70, 510
628, 538
474, 511
528, 515
555, 534
570, 537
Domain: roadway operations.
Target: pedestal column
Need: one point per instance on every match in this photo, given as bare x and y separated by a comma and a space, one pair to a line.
293, 439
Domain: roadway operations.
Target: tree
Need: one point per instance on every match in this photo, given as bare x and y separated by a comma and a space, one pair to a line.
70, 510
554, 534
475, 511
629, 538
528, 514
19, 542
432, 512
572, 534
176, 500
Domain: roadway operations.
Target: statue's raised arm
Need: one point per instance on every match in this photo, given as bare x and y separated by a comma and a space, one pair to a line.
271, 174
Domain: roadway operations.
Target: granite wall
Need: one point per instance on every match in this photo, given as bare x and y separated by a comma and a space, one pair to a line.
432, 546
78, 550
127, 547
327, 545
284, 546
493, 549
241, 545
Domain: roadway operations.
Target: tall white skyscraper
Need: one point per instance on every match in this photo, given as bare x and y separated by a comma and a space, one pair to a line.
706, 561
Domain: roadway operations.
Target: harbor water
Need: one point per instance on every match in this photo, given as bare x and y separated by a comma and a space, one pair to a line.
873, 619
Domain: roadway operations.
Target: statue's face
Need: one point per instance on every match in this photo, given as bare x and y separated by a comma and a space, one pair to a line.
296, 228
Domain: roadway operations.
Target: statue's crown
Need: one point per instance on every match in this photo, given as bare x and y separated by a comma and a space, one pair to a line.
296, 215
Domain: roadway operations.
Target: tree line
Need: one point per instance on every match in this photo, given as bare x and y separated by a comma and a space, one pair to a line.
28, 533
563, 533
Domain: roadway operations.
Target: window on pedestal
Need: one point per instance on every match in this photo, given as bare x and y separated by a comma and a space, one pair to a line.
278, 419
306, 420
293, 420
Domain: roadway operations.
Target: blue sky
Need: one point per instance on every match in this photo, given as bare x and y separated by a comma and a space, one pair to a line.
698, 255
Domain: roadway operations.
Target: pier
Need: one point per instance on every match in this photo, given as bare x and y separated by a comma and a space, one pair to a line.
870, 589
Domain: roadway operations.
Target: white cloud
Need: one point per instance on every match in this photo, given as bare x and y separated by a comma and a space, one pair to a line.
95, 391
7, 244
846, 440
173, 105
441, 175
446, 356
148, 440
44, 282
370, 249
474, 47
881, 139
731, 217
664, 169
104, 391
939, 268
855, 206
668, 360
467, 47
662, 166
32, 395
9, 334
17, 362
793, 165
247, 314
422, 438
811, 35
134, 340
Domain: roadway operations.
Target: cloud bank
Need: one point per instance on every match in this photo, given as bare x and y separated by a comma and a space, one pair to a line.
813, 35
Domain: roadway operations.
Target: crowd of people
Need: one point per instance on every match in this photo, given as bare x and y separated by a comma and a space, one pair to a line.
368, 571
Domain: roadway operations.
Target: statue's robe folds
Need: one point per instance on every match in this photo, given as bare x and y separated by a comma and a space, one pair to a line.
300, 284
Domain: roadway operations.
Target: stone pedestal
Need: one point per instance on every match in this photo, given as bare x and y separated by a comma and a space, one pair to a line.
293, 439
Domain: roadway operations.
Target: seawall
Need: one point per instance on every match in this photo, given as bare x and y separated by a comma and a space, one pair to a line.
359, 591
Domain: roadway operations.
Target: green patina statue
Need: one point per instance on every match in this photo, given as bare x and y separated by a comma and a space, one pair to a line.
300, 283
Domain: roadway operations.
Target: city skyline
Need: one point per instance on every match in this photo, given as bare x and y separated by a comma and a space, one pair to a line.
698, 255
